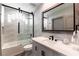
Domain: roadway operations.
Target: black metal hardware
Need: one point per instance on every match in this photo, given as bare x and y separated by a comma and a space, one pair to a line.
42, 53
18, 27
58, 30
51, 37
35, 48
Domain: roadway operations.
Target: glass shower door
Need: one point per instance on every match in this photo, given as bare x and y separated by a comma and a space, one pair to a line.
17, 27
9, 25
16, 30
26, 28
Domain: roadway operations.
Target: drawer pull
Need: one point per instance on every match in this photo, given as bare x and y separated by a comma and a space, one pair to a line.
35, 48
42, 53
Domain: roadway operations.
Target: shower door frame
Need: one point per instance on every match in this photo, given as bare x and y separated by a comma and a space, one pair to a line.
25, 12
18, 10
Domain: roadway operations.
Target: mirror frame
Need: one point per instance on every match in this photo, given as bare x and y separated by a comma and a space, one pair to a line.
43, 30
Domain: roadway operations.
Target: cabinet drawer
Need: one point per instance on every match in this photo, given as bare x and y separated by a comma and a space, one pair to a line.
41, 50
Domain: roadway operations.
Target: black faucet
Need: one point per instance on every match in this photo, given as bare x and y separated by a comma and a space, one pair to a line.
51, 37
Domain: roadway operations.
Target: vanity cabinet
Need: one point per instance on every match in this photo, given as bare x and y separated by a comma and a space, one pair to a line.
41, 50
42, 46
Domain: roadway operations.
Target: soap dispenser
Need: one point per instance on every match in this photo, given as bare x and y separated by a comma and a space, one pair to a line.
75, 36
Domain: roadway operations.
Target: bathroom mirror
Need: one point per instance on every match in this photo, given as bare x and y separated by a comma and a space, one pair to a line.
59, 18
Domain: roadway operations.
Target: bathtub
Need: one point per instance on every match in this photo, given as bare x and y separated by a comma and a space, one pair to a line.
12, 49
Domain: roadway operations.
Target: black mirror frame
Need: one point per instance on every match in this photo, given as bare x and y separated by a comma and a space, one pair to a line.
58, 30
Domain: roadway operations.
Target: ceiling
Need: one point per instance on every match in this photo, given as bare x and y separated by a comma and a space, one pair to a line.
30, 7
35, 4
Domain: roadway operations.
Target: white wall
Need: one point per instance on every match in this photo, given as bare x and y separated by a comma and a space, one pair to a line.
37, 22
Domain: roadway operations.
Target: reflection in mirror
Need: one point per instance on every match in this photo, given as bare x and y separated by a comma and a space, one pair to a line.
59, 18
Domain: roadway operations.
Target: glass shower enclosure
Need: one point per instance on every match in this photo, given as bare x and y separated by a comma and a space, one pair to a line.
16, 27
25, 28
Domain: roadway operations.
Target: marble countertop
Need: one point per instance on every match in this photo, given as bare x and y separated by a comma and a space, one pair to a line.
59, 46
